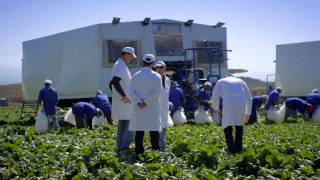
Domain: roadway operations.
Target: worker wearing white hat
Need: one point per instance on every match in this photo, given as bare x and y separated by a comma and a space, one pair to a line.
146, 91
205, 96
314, 99
49, 97
236, 109
121, 101
160, 67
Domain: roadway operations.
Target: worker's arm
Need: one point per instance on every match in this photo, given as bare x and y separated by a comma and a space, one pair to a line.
57, 98
155, 93
136, 97
216, 94
116, 83
248, 99
182, 98
40, 97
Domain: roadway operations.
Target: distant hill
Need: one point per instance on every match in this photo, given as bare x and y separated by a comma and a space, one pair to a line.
11, 92
254, 83
257, 86
14, 94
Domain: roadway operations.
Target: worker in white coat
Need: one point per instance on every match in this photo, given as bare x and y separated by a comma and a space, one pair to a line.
160, 67
236, 109
121, 101
145, 91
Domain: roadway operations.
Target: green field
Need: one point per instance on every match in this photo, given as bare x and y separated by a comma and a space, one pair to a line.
286, 151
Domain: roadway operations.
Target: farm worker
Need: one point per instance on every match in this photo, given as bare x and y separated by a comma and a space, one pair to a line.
205, 96
273, 99
101, 101
294, 105
314, 99
49, 96
190, 100
176, 97
121, 101
257, 102
84, 113
236, 109
146, 87
160, 68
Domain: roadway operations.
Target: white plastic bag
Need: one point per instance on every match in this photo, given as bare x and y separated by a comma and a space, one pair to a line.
201, 116
281, 113
216, 118
170, 122
99, 121
69, 117
179, 117
316, 116
42, 122
272, 114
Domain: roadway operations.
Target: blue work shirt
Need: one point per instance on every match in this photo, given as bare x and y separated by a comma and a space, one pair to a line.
82, 109
190, 102
296, 104
257, 101
273, 99
49, 97
204, 96
101, 101
314, 100
176, 97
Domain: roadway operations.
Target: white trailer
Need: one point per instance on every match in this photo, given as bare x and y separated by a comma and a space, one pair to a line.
79, 61
297, 68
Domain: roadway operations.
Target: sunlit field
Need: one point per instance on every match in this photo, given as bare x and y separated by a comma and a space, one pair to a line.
287, 151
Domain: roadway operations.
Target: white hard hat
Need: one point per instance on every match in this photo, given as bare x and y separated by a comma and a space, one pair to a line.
207, 84
130, 50
149, 58
160, 64
47, 81
315, 91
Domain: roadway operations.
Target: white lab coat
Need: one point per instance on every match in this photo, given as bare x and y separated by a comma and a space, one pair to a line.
121, 110
146, 87
164, 102
237, 100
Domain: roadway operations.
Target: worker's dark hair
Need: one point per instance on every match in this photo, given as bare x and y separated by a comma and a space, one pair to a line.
147, 63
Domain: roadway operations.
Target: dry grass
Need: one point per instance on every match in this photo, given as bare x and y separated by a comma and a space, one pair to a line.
11, 92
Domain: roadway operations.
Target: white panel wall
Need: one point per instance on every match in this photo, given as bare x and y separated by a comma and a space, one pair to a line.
297, 68
73, 59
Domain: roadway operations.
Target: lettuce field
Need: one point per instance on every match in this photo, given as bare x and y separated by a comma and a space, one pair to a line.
277, 151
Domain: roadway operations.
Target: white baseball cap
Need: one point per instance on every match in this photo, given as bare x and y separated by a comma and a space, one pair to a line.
130, 50
149, 58
47, 81
160, 64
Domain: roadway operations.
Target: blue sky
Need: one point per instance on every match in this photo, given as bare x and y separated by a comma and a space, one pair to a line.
254, 27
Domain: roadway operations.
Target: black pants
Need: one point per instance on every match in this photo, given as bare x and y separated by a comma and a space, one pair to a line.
108, 117
290, 113
154, 137
234, 144
84, 122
